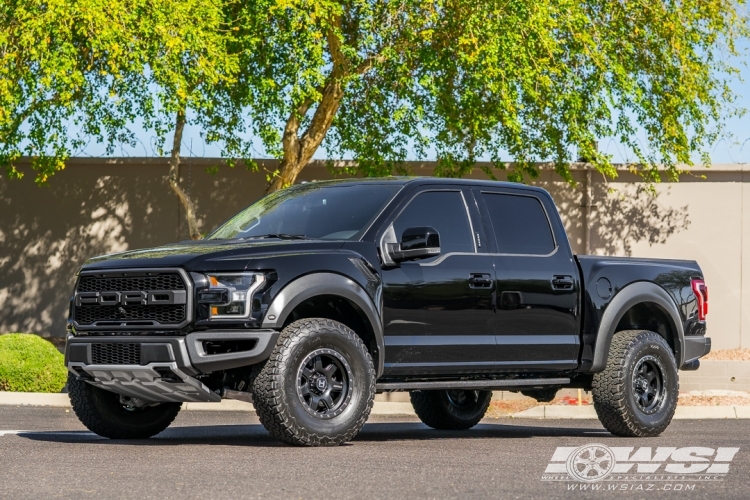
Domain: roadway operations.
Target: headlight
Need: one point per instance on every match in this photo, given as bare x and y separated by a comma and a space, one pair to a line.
230, 295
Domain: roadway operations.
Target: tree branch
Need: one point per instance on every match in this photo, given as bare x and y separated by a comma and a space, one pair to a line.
25, 114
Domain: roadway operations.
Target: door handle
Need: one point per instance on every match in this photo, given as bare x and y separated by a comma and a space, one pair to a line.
562, 282
480, 280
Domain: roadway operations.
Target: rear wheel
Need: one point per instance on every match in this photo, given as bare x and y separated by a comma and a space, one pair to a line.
541, 395
318, 386
111, 416
450, 409
636, 394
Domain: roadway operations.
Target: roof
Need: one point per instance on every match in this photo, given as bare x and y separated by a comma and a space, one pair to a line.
425, 180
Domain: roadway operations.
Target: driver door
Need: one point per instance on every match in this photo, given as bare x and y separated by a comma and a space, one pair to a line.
438, 312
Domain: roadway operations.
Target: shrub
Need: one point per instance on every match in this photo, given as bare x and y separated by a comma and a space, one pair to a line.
28, 363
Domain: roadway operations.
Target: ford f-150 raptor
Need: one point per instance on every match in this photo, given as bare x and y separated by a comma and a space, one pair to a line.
319, 296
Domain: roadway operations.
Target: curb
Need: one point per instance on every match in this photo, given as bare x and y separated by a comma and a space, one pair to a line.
62, 401
34, 399
546, 412
379, 408
554, 411
541, 412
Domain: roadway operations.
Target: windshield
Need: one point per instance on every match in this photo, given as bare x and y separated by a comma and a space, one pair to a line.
328, 212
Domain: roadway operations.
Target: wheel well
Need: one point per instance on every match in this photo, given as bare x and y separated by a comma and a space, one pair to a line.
339, 309
648, 316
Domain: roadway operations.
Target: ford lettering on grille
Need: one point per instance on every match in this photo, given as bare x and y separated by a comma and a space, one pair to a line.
139, 299
165, 297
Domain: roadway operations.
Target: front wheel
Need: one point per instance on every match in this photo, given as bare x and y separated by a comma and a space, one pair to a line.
318, 386
636, 394
450, 409
105, 413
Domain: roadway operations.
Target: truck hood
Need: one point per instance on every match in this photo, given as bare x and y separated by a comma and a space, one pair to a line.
208, 255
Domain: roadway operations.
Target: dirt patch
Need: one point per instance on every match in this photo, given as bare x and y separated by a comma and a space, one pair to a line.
729, 355
713, 400
573, 400
505, 407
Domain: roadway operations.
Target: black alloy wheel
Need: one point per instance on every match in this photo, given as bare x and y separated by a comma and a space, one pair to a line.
636, 393
648, 384
461, 398
324, 383
452, 409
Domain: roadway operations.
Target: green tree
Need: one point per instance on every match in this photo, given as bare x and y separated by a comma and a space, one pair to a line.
461, 79
51, 62
72, 70
370, 79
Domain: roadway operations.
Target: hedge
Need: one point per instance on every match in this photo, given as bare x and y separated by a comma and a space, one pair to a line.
28, 363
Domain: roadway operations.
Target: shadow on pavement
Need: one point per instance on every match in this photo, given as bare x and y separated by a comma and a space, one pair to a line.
256, 435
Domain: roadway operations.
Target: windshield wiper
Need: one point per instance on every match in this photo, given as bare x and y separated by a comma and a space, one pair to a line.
281, 236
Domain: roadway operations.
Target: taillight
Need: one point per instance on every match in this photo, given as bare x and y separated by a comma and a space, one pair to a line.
701, 296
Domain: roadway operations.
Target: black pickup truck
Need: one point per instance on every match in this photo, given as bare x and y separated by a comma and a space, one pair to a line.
317, 297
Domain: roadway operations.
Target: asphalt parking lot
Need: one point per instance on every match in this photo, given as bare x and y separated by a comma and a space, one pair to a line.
229, 455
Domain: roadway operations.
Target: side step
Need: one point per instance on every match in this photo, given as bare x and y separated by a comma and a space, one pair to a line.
525, 383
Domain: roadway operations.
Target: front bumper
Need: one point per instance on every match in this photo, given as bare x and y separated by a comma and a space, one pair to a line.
162, 369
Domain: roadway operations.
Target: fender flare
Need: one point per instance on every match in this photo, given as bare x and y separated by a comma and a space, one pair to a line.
636, 293
312, 285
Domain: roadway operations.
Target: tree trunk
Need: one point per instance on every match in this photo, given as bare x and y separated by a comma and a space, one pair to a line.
299, 150
289, 169
173, 177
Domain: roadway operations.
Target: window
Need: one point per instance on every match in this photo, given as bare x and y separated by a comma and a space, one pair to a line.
443, 210
520, 223
329, 212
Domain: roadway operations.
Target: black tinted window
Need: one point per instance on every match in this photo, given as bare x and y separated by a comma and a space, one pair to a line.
521, 226
338, 212
443, 210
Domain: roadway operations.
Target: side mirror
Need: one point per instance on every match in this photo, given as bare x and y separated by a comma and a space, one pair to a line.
416, 243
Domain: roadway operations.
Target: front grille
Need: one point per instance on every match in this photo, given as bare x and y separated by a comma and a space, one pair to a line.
118, 353
94, 310
165, 315
165, 281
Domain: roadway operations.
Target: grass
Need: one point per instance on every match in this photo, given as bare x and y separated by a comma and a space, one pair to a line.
28, 363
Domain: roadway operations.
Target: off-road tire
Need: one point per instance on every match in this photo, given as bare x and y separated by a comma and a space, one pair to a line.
275, 388
437, 410
541, 395
102, 413
613, 389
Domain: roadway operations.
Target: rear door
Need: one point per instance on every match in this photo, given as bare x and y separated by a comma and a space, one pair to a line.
536, 281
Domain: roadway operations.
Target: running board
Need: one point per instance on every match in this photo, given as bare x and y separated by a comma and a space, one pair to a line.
472, 384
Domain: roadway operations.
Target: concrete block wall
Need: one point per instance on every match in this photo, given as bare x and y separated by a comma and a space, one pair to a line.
98, 206
717, 375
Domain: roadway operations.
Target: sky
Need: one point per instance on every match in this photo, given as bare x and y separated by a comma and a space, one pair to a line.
736, 150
